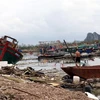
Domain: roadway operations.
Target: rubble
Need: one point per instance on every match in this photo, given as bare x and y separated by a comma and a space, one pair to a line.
26, 90
28, 84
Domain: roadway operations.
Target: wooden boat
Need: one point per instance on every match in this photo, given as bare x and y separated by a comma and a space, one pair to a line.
50, 57
84, 72
51, 54
9, 50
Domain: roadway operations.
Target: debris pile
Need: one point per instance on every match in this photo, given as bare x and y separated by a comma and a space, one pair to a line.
28, 84
25, 90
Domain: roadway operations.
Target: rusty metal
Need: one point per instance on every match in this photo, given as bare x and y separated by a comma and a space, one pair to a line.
85, 72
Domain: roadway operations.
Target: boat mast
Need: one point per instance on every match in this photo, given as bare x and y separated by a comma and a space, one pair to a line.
69, 51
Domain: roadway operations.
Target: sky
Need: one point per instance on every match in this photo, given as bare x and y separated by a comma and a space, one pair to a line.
31, 21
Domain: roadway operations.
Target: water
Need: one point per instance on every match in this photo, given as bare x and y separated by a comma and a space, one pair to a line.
31, 61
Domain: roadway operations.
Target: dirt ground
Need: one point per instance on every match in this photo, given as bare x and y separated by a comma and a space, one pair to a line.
19, 89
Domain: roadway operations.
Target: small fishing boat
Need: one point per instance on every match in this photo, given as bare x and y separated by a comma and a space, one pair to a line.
9, 50
51, 54
84, 72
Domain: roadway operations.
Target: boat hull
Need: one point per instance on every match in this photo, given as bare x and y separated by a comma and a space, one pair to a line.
85, 72
50, 57
9, 54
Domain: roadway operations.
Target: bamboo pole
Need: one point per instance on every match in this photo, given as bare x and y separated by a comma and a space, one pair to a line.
69, 52
25, 92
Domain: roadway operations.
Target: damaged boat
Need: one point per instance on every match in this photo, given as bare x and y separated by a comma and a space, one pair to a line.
9, 50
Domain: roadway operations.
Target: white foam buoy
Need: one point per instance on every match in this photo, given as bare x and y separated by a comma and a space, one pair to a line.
91, 96
76, 79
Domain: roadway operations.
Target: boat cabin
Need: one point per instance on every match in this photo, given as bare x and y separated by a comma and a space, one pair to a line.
9, 40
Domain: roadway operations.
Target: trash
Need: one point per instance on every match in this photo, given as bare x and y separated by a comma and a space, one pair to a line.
91, 96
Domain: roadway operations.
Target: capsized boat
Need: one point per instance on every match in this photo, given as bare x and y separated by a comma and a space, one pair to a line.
84, 72
9, 50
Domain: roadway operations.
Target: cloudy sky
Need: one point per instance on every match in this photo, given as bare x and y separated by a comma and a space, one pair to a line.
31, 21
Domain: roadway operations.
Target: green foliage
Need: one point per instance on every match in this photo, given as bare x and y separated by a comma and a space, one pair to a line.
29, 47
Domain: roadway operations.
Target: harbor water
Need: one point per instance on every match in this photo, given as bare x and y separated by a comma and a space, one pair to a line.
30, 60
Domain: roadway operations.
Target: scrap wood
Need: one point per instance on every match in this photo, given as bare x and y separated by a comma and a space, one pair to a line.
54, 84
25, 92
36, 80
7, 70
71, 85
12, 78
